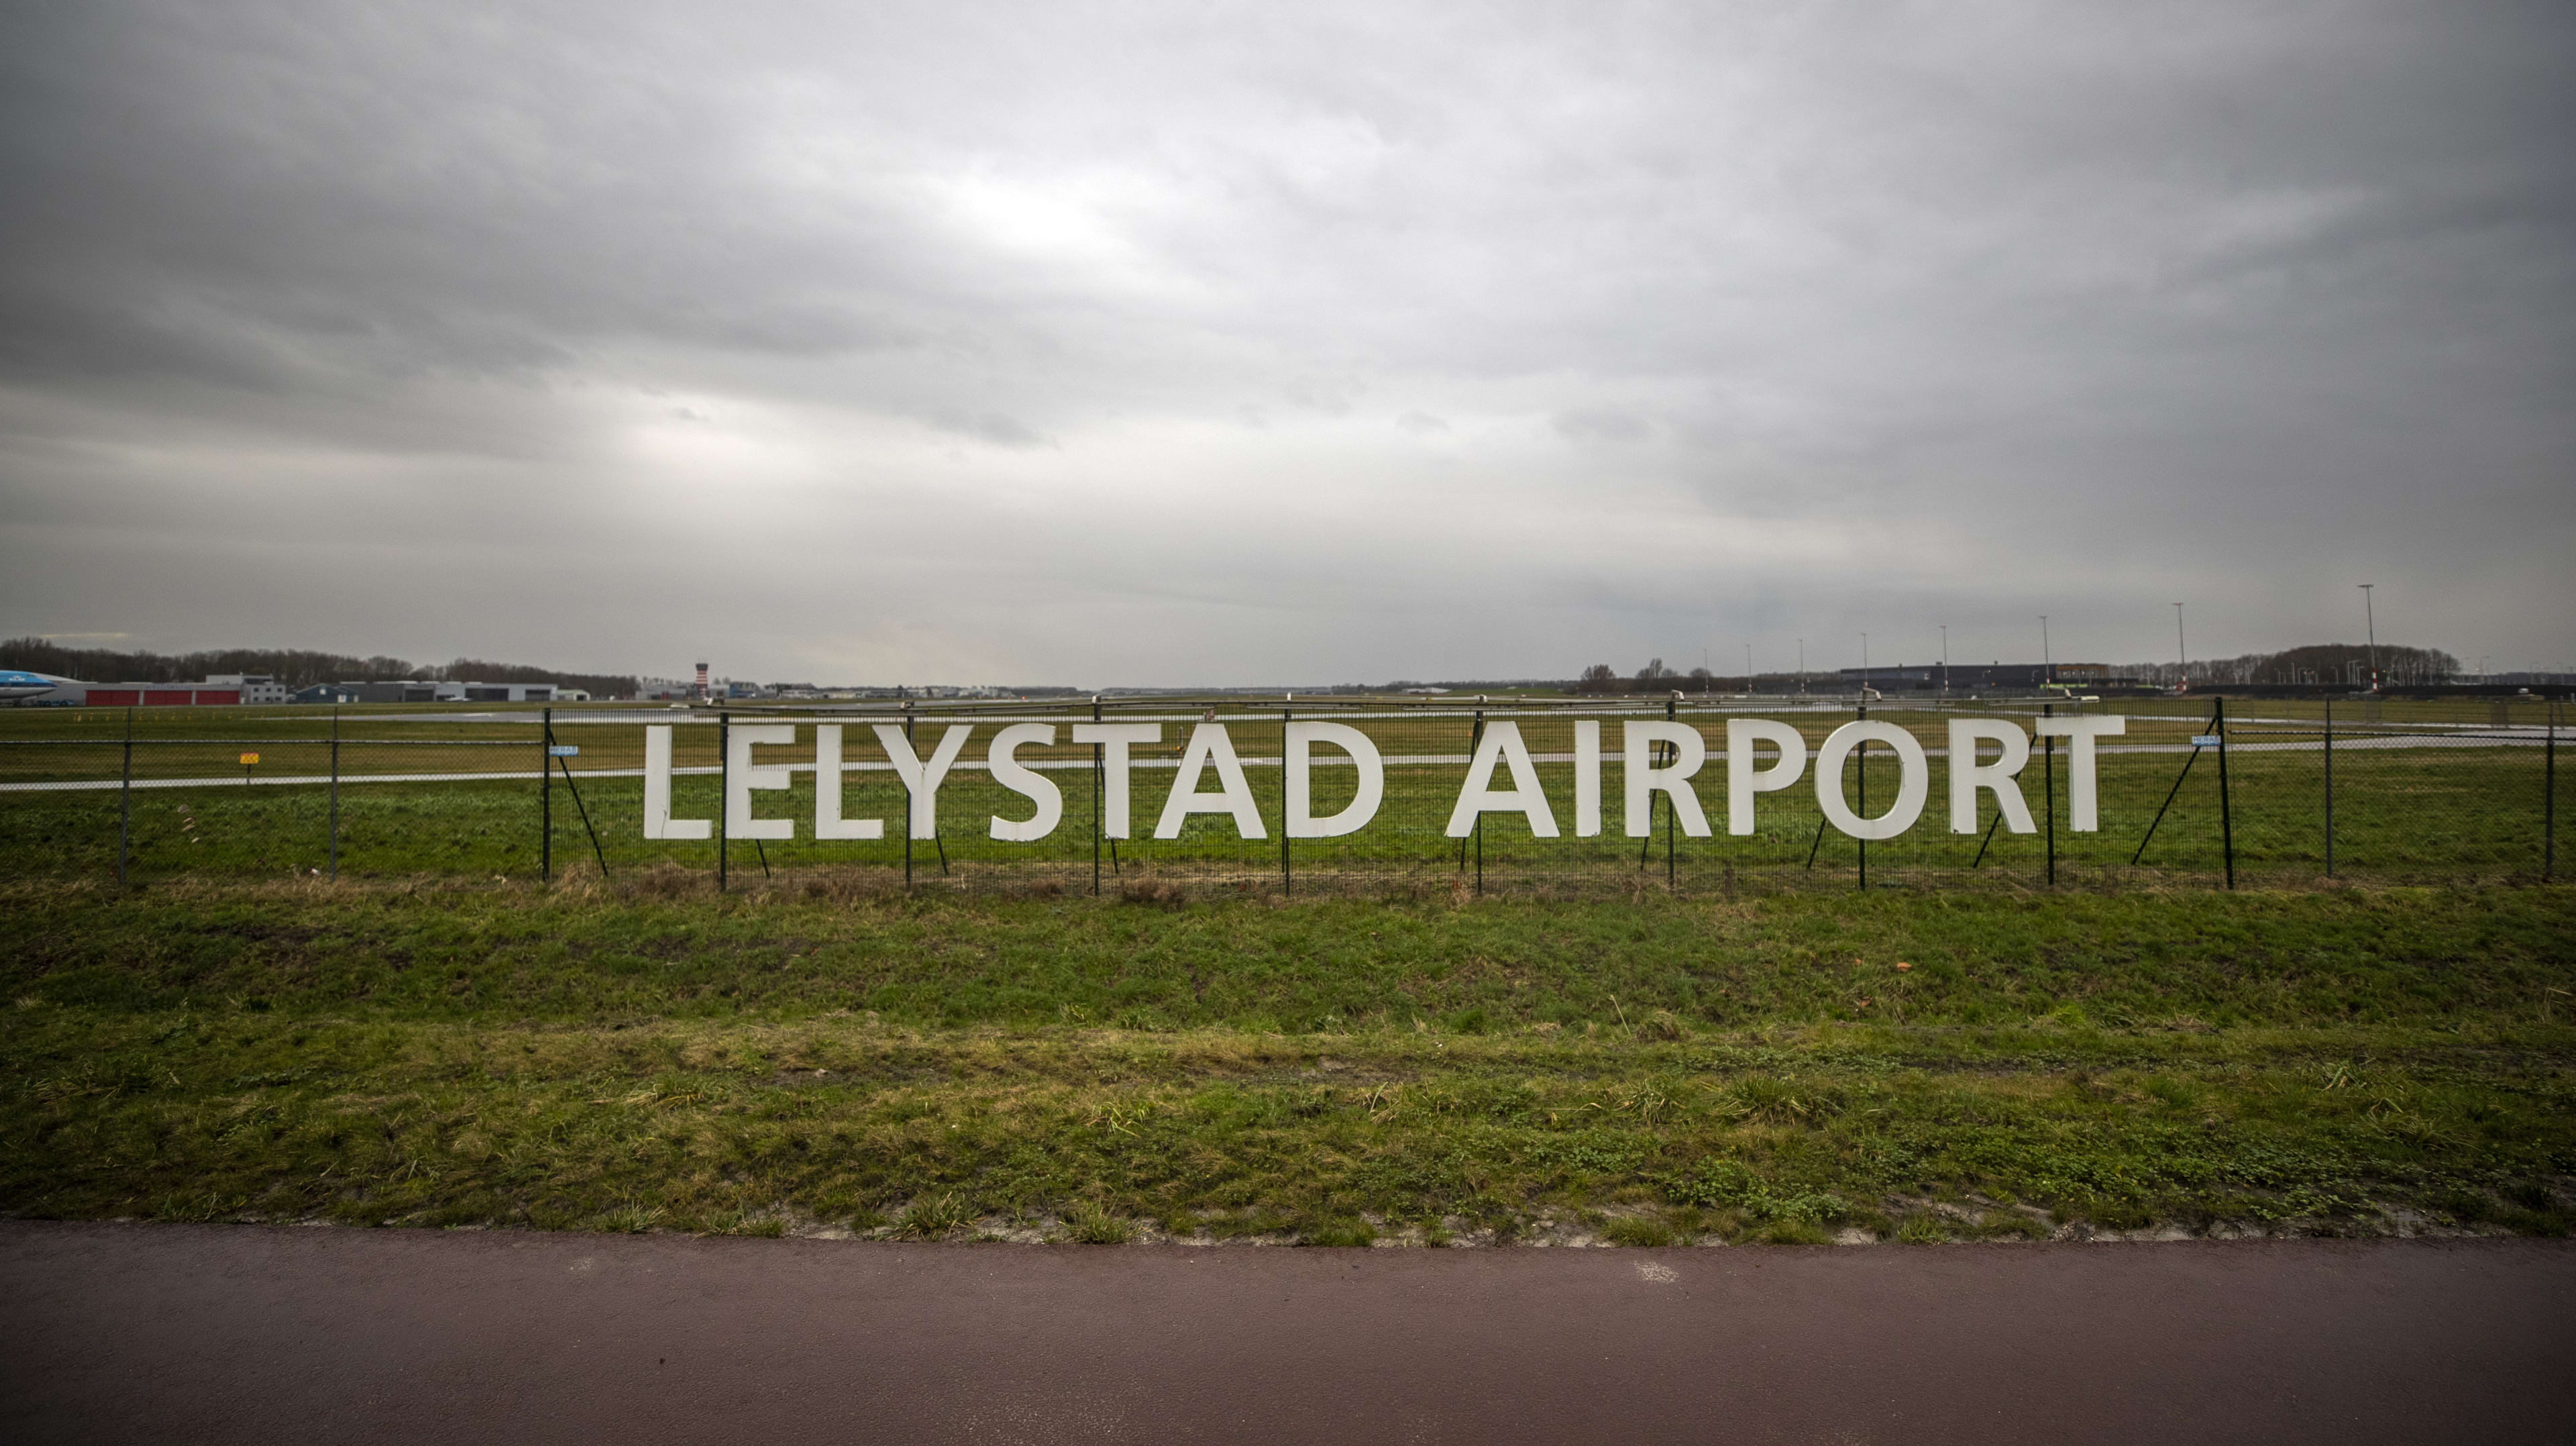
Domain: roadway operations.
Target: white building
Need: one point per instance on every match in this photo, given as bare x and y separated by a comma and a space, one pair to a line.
255, 687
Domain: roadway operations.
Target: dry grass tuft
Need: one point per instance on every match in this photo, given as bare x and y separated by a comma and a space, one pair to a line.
1153, 892
665, 880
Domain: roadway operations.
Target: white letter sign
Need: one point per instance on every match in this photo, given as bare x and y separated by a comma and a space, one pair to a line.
1502, 741
828, 823
658, 822
1301, 800
1209, 744
1112, 740
1587, 779
1913, 779
2080, 733
1689, 753
1967, 775
1008, 772
922, 779
1743, 780
742, 776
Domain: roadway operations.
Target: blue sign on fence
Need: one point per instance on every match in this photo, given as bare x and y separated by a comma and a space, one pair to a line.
563, 750
2204, 740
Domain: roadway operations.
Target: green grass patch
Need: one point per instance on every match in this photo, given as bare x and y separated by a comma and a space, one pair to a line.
1335, 1071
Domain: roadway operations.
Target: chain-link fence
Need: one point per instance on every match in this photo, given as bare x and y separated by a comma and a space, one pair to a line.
1739, 793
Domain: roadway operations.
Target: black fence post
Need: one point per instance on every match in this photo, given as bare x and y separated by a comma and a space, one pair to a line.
2330, 788
125, 802
335, 791
1476, 740
2226, 818
1097, 783
545, 795
1287, 886
907, 802
2549, 796
1646, 845
1860, 765
574, 789
724, 792
2048, 768
1671, 706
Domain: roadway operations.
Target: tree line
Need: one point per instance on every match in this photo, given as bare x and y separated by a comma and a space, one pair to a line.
2317, 663
294, 667
2314, 663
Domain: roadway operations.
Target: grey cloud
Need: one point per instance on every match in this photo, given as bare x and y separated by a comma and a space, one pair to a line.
992, 427
1962, 313
1600, 424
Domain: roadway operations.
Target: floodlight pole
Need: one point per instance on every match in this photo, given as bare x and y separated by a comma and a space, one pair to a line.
2370, 621
2182, 653
1945, 660
2047, 660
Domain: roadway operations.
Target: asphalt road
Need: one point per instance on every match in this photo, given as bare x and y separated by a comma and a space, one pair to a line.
234, 1333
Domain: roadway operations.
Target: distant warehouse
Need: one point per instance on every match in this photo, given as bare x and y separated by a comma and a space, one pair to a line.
1893, 677
225, 690
222, 688
421, 690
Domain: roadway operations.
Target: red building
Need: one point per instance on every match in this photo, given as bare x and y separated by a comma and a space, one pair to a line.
161, 695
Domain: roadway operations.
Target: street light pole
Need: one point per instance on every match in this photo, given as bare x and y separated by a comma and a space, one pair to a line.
2182, 653
2371, 621
1748, 670
2047, 660
1802, 667
1864, 665
1945, 660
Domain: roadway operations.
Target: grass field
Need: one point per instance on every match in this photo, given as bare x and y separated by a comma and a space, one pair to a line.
819, 1054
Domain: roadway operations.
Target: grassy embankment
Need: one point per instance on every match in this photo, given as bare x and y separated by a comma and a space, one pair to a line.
1328, 1071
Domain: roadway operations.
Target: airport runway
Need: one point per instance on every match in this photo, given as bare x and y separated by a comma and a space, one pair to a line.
244, 1333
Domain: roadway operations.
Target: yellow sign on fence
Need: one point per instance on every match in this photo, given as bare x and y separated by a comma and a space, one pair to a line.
249, 758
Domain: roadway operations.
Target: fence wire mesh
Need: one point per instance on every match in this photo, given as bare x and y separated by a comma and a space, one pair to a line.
2439, 791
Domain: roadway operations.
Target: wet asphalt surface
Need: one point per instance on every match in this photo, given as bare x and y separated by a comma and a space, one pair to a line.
248, 1333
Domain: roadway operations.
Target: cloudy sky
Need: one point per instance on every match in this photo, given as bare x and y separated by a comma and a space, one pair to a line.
1103, 344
